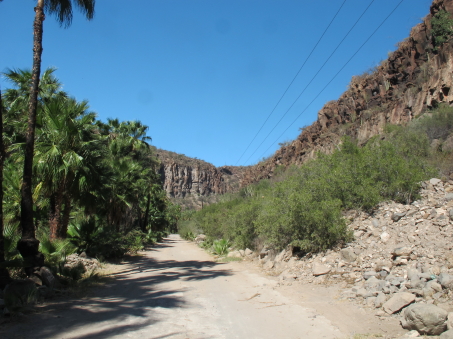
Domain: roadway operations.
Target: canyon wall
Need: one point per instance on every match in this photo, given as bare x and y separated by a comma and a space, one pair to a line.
414, 78
184, 177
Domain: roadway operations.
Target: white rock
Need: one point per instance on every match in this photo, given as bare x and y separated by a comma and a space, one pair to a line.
320, 269
385, 237
398, 301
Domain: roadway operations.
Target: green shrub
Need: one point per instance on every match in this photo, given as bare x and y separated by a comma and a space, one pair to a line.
442, 28
303, 206
436, 125
220, 247
103, 243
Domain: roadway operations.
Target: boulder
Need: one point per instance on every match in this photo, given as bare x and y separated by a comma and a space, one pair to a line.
380, 300
47, 277
375, 223
410, 334
434, 285
402, 251
398, 301
234, 254
450, 321
434, 181
248, 252
446, 280
397, 216
447, 335
368, 274
425, 318
200, 238
320, 269
348, 254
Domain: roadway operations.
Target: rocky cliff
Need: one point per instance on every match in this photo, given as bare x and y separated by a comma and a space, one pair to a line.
416, 77
195, 180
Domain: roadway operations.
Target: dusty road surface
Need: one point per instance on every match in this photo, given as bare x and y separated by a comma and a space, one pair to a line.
175, 290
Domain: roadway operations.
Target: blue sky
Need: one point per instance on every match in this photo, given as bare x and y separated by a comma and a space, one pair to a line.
205, 74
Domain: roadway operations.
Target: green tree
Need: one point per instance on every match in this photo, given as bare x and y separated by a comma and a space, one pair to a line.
65, 157
28, 245
17, 100
442, 28
4, 274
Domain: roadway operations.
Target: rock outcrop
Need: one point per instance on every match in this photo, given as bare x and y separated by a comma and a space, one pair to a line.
414, 78
184, 177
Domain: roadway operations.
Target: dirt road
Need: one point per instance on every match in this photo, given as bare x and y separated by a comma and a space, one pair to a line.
175, 290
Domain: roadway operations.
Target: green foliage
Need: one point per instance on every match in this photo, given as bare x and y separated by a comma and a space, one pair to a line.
303, 206
55, 251
437, 124
442, 28
101, 242
220, 247
94, 182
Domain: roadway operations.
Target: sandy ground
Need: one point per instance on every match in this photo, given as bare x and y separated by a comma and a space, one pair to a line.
176, 290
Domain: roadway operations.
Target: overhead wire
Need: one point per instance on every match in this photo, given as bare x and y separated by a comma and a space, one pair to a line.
309, 83
333, 78
294, 78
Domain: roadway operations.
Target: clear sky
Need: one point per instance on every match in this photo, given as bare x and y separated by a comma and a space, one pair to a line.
205, 74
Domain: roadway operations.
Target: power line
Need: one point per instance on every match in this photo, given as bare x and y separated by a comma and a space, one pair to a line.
309, 83
358, 50
286, 90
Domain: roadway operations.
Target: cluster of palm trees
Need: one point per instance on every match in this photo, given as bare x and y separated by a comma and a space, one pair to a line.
83, 169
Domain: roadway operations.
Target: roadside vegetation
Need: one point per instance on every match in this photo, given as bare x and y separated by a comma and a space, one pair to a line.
95, 186
303, 206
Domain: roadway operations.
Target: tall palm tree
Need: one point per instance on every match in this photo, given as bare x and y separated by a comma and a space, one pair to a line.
62, 9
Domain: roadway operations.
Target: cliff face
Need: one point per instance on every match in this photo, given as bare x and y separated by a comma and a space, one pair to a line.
183, 176
414, 78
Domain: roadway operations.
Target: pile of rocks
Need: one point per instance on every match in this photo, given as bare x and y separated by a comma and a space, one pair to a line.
78, 260
401, 256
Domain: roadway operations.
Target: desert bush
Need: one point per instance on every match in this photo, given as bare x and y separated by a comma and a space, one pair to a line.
436, 125
303, 206
442, 28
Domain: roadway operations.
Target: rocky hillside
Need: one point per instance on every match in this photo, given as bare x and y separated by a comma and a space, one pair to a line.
416, 77
399, 265
193, 182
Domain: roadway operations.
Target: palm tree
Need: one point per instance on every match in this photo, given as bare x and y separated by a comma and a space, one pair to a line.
4, 274
28, 245
63, 154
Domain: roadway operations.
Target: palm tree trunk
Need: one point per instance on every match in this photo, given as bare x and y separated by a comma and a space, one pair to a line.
62, 232
4, 274
28, 244
55, 220
145, 219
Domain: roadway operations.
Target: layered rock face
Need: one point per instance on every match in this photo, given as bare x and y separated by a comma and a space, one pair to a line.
183, 176
413, 79
181, 180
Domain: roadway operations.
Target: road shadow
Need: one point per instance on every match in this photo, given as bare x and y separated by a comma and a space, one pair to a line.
121, 306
